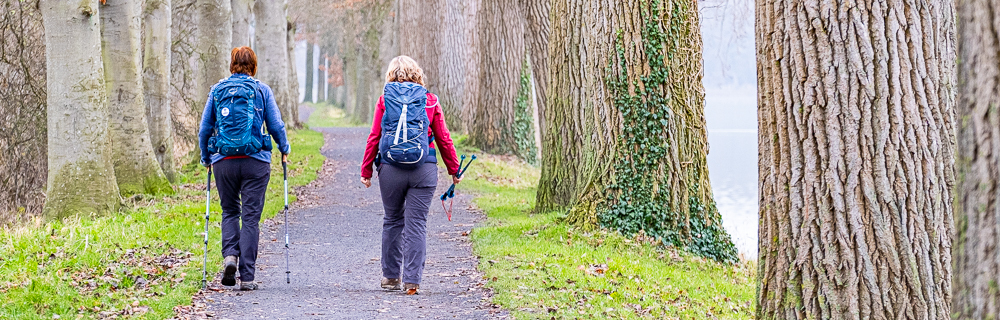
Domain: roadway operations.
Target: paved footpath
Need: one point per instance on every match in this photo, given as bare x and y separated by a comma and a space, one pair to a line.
335, 248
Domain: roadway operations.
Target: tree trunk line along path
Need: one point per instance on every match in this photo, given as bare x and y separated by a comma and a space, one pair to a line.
335, 229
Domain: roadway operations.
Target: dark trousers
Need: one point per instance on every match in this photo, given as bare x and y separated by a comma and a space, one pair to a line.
242, 184
406, 197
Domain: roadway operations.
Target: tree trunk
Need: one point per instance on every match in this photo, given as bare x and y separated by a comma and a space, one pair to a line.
501, 108
310, 73
81, 176
628, 142
419, 22
242, 11
856, 132
454, 61
156, 83
470, 96
136, 168
272, 54
293, 77
975, 251
537, 39
215, 35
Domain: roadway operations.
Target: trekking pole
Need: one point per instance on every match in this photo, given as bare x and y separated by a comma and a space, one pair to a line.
450, 194
208, 202
288, 273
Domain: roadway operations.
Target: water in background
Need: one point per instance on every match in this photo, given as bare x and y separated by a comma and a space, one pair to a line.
731, 115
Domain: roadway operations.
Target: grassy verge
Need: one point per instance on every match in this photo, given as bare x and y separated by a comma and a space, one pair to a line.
327, 115
540, 267
137, 264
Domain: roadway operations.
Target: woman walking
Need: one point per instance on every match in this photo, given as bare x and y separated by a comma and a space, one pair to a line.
407, 120
234, 142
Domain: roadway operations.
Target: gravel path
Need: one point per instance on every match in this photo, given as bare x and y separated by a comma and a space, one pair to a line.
335, 248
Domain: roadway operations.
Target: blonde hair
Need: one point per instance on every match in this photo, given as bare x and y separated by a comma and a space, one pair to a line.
404, 69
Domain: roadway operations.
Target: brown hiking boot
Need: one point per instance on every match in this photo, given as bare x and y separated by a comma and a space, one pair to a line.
390, 284
411, 288
248, 286
229, 271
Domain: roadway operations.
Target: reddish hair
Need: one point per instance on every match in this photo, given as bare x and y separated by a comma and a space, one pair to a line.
244, 61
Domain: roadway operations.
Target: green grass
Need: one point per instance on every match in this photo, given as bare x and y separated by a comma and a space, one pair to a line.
88, 268
540, 267
327, 115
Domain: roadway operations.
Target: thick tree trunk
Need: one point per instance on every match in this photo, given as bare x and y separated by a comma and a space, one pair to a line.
310, 72
81, 177
419, 22
977, 215
156, 82
293, 77
242, 12
454, 54
470, 96
537, 39
136, 168
272, 54
500, 110
627, 143
855, 115
215, 35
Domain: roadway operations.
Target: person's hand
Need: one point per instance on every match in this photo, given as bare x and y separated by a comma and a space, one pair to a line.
205, 163
455, 179
367, 182
284, 157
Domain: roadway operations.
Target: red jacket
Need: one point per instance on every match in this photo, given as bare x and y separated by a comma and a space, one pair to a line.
438, 133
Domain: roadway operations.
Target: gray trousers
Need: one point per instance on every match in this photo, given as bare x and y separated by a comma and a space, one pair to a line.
406, 197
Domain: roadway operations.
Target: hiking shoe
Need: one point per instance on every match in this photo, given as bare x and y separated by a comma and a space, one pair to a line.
411, 288
391, 284
229, 271
248, 286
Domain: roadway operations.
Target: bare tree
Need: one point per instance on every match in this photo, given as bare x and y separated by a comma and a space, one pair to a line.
293, 77
156, 82
310, 72
242, 12
81, 177
272, 54
855, 117
977, 214
22, 113
215, 35
136, 168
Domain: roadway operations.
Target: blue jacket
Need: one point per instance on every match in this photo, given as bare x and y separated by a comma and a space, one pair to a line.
266, 109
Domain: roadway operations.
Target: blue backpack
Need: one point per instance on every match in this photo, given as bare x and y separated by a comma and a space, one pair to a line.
234, 118
404, 125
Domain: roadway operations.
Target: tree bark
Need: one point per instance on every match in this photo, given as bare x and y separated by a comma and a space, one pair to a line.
502, 58
272, 54
855, 116
293, 77
81, 176
975, 251
156, 83
242, 12
537, 39
310, 73
136, 168
419, 22
452, 61
627, 144
215, 35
